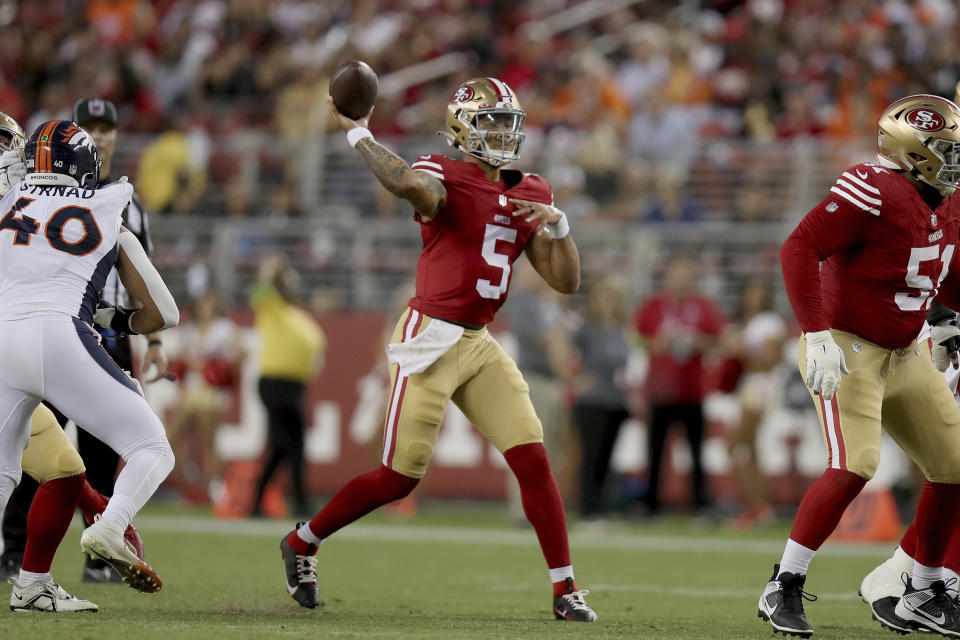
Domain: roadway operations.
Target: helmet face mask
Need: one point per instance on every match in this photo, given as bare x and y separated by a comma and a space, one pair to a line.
921, 135
485, 120
11, 135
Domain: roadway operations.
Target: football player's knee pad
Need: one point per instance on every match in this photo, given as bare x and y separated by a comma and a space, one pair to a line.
418, 455
863, 462
945, 469
159, 447
69, 463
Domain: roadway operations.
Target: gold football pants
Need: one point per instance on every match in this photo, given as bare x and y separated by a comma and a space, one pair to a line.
480, 378
899, 390
49, 455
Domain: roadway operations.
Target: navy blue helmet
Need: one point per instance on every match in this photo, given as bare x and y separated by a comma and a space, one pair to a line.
61, 153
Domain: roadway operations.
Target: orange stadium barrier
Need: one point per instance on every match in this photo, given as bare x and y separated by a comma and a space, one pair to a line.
871, 517
240, 481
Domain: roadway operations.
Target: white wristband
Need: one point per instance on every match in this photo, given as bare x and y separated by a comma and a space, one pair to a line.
560, 228
357, 134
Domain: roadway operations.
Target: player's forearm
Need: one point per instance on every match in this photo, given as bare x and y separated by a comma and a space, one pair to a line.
801, 276
562, 263
396, 176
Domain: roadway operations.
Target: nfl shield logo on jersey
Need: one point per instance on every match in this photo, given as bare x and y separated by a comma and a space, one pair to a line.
503, 200
832, 207
933, 219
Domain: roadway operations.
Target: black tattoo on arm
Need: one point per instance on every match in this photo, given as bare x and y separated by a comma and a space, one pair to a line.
426, 193
389, 168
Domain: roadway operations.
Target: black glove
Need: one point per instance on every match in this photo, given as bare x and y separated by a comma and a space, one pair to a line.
116, 318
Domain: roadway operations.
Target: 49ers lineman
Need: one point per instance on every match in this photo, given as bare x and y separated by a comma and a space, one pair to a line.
476, 218
886, 235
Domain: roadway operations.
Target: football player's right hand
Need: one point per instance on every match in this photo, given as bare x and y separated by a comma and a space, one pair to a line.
945, 338
825, 364
346, 123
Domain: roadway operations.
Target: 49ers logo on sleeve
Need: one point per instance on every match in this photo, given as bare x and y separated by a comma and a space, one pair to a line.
925, 120
462, 94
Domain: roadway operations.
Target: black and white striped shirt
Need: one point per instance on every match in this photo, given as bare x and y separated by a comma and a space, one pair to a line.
135, 219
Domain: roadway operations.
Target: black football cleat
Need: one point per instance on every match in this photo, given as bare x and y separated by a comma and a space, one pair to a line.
781, 604
931, 608
300, 573
884, 611
572, 607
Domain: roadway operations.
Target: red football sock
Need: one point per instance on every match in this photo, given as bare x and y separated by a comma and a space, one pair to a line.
356, 499
935, 521
91, 502
541, 502
560, 588
909, 540
823, 505
48, 520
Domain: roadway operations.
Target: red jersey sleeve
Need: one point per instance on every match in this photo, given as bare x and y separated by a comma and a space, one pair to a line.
832, 226
647, 319
433, 165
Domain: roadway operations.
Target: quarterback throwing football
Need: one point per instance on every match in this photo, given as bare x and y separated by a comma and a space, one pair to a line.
886, 236
475, 218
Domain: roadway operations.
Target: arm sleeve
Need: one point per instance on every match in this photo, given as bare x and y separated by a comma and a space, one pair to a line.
819, 235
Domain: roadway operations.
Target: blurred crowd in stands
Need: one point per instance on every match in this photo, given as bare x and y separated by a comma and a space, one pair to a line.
654, 82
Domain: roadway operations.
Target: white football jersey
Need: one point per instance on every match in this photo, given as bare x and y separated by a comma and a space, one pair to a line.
57, 245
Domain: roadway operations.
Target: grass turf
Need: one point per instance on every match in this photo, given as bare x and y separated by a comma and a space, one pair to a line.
450, 573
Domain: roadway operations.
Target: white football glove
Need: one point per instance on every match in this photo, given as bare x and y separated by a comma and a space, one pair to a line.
12, 171
825, 364
944, 350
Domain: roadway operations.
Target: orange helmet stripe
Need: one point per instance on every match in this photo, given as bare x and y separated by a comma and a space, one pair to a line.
43, 164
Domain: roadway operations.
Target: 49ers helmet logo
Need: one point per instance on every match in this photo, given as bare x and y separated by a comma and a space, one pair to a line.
925, 120
462, 94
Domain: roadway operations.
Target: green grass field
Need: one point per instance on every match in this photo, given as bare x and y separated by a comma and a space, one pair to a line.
453, 572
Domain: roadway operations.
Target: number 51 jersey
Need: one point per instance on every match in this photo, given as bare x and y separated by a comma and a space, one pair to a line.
57, 245
885, 256
470, 246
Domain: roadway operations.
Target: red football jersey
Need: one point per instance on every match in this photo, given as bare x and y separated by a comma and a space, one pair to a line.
885, 255
470, 246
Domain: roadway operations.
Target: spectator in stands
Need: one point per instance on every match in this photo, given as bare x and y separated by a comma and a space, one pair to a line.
291, 351
678, 325
538, 321
757, 340
601, 405
209, 353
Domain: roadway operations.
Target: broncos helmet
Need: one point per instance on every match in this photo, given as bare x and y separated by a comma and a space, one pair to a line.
61, 153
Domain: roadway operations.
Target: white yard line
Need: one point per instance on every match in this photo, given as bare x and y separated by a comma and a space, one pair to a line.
624, 541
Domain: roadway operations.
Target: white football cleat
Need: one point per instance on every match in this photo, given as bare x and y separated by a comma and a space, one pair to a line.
884, 581
105, 541
882, 588
46, 596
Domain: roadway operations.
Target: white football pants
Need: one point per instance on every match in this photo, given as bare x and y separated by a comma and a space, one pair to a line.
59, 359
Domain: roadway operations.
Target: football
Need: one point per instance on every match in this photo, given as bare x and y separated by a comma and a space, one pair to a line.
353, 88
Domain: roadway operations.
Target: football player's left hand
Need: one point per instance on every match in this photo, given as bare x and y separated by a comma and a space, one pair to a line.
536, 211
346, 123
12, 170
945, 338
157, 357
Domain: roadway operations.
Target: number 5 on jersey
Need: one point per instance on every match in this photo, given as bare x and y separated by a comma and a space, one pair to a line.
485, 287
914, 280
24, 227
